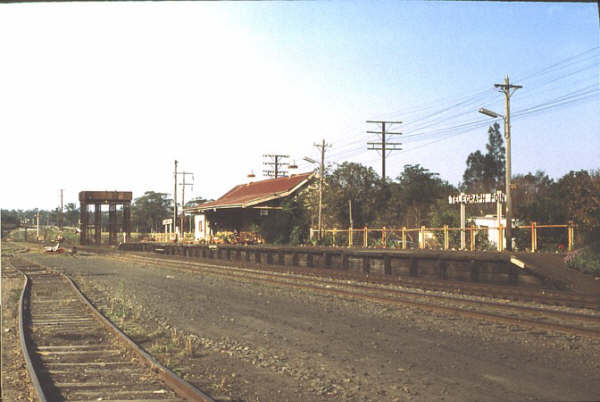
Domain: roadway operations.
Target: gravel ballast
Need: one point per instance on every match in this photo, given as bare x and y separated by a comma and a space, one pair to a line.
257, 341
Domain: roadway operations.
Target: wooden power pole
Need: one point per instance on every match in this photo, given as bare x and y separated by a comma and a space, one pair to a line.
322, 146
61, 217
506, 90
183, 184
175, 199
277, 165
383, 146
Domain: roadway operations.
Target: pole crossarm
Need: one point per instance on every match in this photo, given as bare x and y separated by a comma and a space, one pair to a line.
387, 145
384, 121
383, 145
276, 163
379, 132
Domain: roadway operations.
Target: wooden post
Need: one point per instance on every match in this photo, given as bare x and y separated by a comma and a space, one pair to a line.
365, 237
311, 234
500, 240
446, 240
462, 226
422, 238
334, 232
350, 236
533, 237
472, 237
383, 237
403, 237
571, 235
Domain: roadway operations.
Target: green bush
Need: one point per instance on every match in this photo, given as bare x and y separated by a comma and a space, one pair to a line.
586, 260
482, 243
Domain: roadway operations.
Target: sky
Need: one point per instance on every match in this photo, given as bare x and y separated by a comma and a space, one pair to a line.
106, 96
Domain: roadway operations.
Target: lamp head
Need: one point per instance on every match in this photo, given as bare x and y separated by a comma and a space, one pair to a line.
488, 112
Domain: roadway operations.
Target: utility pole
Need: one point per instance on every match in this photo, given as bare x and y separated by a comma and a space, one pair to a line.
506, 90
383, 146
175, 199
322, 146
183, 184
61, 217
277, 164
350, 213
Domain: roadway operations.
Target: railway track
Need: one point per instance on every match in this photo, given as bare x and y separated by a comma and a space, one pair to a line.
586, 323
73, 353
513, 293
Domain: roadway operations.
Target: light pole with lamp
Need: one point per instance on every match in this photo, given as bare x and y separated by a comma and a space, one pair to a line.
506, 89
311, 160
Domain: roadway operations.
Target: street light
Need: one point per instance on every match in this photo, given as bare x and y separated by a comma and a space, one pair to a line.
508, 90
311, 160
490, 113
508, 214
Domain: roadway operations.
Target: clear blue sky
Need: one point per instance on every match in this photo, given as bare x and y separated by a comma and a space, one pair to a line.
105, 96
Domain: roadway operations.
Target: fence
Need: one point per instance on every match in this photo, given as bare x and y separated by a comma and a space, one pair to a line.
445, 238
168, 237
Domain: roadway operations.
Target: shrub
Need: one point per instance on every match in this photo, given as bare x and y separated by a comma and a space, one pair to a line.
586, 260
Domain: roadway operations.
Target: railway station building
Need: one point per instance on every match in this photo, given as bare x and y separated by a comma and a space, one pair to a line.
243, 207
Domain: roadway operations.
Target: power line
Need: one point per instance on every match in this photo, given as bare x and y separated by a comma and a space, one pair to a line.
429, 119
375, 146
277, 165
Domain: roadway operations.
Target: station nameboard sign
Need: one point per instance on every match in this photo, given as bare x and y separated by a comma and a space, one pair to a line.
476, 198
167, 221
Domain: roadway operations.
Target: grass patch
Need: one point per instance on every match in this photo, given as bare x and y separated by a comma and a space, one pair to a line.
586, 260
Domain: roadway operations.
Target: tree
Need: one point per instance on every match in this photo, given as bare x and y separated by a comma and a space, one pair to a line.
351, 182
536, 199
288, 225
418, 190
580, 192
195, 201
485, 173
71, 214
149, 210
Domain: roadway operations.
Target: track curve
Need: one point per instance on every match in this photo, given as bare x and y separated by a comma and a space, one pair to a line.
73, 353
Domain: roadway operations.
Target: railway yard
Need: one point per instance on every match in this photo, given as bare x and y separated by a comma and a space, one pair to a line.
276, 333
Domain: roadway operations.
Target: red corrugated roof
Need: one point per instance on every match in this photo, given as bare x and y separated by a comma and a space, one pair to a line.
244, 195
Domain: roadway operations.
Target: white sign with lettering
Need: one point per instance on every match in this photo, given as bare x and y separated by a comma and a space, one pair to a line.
477, 198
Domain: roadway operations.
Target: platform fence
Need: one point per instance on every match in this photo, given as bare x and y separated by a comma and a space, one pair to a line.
476, 238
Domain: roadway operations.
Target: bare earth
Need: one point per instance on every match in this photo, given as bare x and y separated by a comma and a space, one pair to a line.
259, 342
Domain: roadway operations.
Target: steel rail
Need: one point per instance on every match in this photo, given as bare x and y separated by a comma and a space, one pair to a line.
182, 388
543, 296
35, 381
558, 314
487, 316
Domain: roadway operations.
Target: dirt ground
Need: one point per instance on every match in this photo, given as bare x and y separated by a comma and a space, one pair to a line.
239, 340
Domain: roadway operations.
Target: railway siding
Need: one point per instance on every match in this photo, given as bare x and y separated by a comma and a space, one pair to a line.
74, 357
